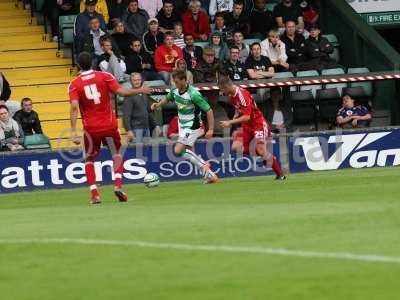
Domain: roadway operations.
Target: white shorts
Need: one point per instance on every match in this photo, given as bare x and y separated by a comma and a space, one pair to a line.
189, 136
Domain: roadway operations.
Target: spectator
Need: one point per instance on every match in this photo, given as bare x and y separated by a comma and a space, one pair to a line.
151, 6
196, 22
173, 129
27, 118
139, 61
257, 65
137, 117
178, 35
180, 6
167, 16
243, 48
206, 70
233, 67
121, 38
135, 19
82, 21
91, 42
180, 65
221, 28
295, 45
217, 6
11, 134
273, 48
220, 48
279, 112
310, 10
237, 20
5, 90
100, 6
110, 61
261, 20
54, 9
285, 11
153, 37
351, 116
166, 56
318, 49
116, 10
191, 53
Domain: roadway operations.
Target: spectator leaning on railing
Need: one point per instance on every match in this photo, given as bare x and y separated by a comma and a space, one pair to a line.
28, 118
11, 134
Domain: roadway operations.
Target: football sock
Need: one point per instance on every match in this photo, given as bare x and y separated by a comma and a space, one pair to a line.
274, 164
90, 174
118, 170
194, 159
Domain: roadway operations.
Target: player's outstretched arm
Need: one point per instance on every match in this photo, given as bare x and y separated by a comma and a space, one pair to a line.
74, 109
132, 92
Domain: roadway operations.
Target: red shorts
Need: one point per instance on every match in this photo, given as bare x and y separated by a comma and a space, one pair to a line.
261, 134
94, 140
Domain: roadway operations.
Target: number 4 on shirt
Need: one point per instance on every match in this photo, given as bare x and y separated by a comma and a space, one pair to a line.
92, 93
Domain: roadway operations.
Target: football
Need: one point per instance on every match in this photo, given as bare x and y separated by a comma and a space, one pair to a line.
151, 180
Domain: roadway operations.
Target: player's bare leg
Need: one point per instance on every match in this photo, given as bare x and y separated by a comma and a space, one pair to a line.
91, 181
187, 153
270, 160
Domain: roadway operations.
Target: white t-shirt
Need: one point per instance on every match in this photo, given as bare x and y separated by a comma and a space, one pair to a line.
278, 119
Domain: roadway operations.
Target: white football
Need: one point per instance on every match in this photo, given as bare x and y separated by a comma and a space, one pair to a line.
151, 180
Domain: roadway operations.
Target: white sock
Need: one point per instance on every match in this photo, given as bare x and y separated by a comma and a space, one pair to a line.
194, 159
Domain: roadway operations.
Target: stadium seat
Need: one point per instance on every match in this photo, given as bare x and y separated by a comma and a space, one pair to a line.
66, 32
366, 85
36, 141
271, 6
251, 41
328, 101
312, 88
335, 43
284, 75
304, 109
336, 71
201, 44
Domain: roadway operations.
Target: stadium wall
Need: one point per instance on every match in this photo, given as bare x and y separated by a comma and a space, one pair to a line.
298, 153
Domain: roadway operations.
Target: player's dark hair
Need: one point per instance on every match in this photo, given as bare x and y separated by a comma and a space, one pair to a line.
5, 107
84, 61
179, 74
224, 80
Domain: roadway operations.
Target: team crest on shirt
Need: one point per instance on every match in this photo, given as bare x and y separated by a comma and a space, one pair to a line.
349, 113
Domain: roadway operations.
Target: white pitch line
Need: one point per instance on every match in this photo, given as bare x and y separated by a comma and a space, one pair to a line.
213, 248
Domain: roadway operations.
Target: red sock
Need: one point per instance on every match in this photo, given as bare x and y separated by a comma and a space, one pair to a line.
91, 178
276, 167
118, 170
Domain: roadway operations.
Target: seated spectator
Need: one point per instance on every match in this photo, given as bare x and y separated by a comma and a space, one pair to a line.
257, 65
196, 21
220, 48
167, 16
91, 41
295, 44
261, 20
233, 67
54, 9
27, 118
273, 48
135, 19
166, 56
137, 116
151, 6
243, 48
11, 134
81, 27
111, 61
101, 7
180, 65
191, 53
206, 70
5, 90
237, 20
279, 112
351, 116
122, 38
153, 37
219, 6
116, 9
318, 49
310, 10
139, 61
221, 28
285, 11
178, 35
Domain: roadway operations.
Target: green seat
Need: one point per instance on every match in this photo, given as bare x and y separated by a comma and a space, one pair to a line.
201, 44
335, 43
38, 5
154, 83
66, 29
36, 141
285, 75
366, 85
271, 6
251, 41
335, 71
312, 88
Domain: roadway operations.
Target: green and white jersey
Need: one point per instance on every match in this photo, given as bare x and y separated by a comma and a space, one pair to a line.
189, 104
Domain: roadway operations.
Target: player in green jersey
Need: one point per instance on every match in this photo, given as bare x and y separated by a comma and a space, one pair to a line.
190, 103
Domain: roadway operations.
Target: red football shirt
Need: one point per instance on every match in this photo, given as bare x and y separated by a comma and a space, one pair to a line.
245, 104
92, 90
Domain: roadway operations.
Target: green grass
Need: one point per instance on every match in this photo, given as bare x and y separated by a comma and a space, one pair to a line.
356, 211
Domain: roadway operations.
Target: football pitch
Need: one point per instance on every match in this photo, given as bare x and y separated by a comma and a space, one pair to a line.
323, 235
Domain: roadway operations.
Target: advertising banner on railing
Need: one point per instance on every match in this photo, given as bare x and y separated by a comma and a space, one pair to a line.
64, 169
354, 149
